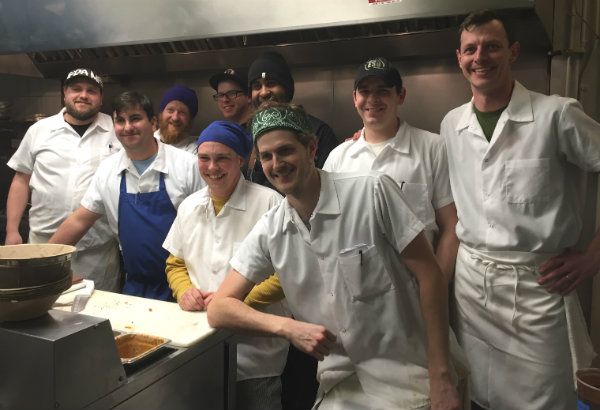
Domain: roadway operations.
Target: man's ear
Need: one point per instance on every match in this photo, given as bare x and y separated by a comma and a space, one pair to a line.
515, 50
401, 96
312, 148
458, 57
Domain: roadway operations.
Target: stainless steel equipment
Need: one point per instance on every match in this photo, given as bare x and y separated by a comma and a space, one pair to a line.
65, 360
59, 360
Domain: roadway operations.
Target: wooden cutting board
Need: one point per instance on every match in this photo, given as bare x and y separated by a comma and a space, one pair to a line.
153, 317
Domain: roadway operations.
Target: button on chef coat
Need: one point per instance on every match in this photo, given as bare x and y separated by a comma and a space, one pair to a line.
414, 158
206, 242
369, 300
180, 168
517, 192
61, 165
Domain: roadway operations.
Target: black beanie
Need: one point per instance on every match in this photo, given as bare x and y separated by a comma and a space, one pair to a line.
271, 65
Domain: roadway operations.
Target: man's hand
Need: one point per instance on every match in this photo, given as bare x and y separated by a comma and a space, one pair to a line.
194, 300
444, 394
354, 137
314, 340
564, 272
13, 238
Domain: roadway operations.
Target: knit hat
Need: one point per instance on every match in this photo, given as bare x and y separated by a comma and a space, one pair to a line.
181, 93
379, 67
228, 133
272, 65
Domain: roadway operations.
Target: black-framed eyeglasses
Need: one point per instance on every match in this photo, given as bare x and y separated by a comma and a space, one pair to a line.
229, 94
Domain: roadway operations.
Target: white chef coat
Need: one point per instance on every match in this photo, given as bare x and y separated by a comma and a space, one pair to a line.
188, 144
516, 199
519, 191
182, 179
414, 158
346, 274
207, 241
61, 165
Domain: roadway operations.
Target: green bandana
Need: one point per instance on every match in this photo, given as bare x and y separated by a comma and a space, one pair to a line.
274, 119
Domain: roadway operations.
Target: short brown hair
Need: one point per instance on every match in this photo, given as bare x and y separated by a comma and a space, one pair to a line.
481, 17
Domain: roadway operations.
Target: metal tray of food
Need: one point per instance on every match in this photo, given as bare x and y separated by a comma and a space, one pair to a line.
133, 347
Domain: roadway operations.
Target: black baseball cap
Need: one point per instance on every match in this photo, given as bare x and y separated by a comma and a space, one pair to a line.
379, 67
229, 75
84, 73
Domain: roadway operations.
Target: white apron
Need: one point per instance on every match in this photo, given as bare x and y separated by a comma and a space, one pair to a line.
523, 343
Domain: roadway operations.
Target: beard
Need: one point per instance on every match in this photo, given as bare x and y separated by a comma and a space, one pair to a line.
172, 137
258, 100
81, 115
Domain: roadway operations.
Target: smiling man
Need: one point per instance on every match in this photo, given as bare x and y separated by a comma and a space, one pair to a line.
231, 95
55, 163
139, 191
270, 79
367, 296
209, 226
177, 111
514, 158
414, 158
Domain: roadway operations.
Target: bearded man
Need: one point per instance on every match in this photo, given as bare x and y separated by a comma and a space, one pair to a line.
177, 110
54, 164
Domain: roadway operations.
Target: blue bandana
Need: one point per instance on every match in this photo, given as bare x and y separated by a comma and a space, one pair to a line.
228, 133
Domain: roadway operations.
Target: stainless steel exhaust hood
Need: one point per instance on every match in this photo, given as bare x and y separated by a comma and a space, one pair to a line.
133, 36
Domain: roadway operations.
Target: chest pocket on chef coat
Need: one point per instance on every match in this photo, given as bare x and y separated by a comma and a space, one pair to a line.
527, 180
417, 197
364, 273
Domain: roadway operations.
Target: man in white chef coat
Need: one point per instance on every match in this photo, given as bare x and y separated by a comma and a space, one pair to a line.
270, 79
209, 226
513, 156
414, 158
55, 163
139, 191
176, 114
367, 296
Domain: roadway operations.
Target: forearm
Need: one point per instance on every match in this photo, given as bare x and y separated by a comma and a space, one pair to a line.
233, 314
445, 254
18, 195
447, 245
74, 227
433, 297
178, 276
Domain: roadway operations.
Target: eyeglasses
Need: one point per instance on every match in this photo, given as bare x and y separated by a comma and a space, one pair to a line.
229, 94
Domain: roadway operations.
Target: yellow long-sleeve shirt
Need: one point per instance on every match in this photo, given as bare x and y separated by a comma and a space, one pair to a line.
263, 294
178, 276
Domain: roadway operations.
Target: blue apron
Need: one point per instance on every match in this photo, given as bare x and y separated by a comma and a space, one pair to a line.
144, 221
